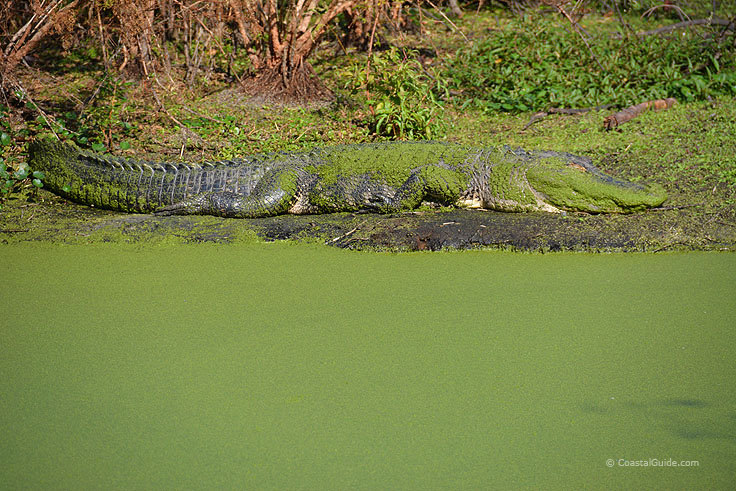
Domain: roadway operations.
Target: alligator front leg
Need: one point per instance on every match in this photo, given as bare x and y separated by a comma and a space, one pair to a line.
432, 182
274, 194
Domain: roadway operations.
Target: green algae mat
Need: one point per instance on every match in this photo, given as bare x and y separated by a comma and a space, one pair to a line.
282, 366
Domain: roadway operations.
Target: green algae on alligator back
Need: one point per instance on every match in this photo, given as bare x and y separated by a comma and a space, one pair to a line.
381, 177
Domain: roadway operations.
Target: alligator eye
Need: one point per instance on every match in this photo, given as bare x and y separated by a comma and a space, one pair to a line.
577, 167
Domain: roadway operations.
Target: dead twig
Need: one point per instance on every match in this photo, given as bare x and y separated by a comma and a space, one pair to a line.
667, 6
35, 106
564, 110
721, 222
536, 117
678, 207
578, 28
625, 115
727, 24
667, 246
349, 233
196, 113
449, 21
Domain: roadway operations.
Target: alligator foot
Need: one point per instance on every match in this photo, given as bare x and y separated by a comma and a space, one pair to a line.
197, 205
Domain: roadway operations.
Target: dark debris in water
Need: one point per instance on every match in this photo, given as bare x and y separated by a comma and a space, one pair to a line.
693, 403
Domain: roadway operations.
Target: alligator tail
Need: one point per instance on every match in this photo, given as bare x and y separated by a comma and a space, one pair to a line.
130, 185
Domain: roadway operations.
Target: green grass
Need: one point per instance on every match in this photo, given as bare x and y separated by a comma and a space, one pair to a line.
539, 62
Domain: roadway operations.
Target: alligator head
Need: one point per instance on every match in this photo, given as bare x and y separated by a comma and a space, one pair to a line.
568, 182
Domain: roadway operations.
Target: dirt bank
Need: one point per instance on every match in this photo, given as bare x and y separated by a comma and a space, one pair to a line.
53, 219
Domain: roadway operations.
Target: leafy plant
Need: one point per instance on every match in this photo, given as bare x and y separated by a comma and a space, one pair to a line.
16, 180
405, 101
19, 181
536, 63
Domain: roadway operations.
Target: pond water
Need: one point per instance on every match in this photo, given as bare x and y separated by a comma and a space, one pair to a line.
295, 366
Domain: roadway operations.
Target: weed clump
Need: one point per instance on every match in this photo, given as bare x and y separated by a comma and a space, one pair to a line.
405, 101
534, 63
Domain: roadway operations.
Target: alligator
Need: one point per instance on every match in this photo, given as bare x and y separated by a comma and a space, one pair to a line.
374, 177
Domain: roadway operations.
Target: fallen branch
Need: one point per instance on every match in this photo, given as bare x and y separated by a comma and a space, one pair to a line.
696, 22
728, 25
558, 4
25, 95
564, 110
455, 27
625, 115
536, 117
678, 207
673, 244
349, 233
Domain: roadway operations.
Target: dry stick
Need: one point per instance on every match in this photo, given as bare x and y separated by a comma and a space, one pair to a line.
332, 30
23, 32
678, 207
105, 58
370, 52
183, 127
579, 30
448, 20
563, 110
100, 84
351, 232
727, 24
536, 117
376, 14
667, 246
630, 113
202, 115
680, 12
109, 116
621, 18
23, 91
688, 23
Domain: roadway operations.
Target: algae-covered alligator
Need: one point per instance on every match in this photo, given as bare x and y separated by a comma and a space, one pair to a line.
380, 177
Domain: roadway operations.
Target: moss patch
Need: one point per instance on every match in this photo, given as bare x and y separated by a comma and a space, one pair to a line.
392, 164
55, 220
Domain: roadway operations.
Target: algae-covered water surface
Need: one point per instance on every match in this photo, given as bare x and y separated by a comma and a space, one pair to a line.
292, 366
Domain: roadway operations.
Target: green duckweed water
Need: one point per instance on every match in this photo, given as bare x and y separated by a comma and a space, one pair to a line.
277, 366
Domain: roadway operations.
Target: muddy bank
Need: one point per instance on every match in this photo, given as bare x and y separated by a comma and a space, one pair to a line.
53, 219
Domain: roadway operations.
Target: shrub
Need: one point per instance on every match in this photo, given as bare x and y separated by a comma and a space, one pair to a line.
535, 65
405, 101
